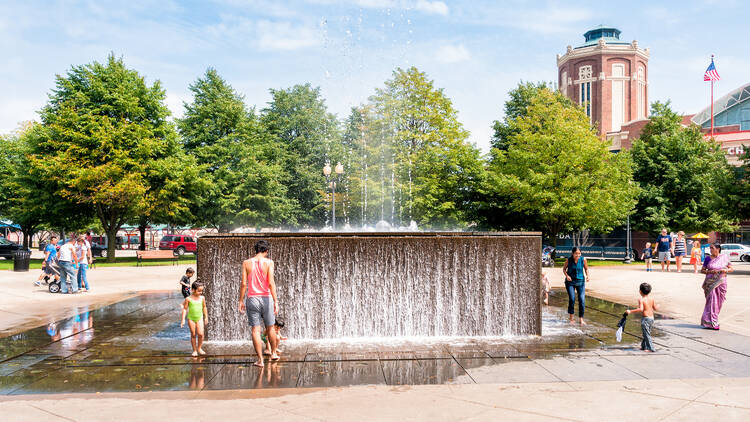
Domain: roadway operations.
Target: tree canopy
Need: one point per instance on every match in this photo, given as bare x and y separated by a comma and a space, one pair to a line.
411, 157
105, 149
558, 172
104, 139
237, 159
308, 135
517, 106
23, 199
685, 180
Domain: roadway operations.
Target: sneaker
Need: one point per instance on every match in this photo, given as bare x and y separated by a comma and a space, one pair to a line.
37, 283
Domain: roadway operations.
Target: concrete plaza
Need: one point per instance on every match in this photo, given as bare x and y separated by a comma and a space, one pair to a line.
582, 375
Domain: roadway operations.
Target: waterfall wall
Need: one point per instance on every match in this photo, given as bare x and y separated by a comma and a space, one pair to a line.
333, 285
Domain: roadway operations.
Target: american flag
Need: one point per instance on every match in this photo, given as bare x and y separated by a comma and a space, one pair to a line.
711, 73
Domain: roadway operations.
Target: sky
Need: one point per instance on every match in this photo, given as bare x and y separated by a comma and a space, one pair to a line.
476, 51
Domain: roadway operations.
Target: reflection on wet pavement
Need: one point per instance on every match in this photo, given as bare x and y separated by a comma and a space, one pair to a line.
137, 345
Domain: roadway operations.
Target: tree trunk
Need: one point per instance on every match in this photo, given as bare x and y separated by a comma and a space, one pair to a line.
553, 239
142, 231
111, 241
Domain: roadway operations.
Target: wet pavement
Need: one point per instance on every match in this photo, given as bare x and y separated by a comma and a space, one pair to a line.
137, 345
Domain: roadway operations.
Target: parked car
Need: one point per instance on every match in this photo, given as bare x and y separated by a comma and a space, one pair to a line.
736, 251
178, 243
98, 250
7, 247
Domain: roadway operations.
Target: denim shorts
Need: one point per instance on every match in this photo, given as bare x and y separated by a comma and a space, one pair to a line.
259, 311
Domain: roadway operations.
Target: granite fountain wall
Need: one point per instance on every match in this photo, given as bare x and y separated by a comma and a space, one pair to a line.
336, 285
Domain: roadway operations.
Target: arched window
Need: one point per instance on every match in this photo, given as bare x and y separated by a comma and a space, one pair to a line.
641, 92
618, 96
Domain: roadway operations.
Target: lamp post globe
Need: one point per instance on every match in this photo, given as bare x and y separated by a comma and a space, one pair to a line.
339, 168
327, 170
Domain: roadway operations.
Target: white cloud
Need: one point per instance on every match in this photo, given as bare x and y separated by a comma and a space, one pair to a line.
261, 7
15, 110
426, 6
545, 21
432, 7
266, 35
376, 4
284, 36
453, 54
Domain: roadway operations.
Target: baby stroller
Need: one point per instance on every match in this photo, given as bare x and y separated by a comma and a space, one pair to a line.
51, 274
54, 285
547, 260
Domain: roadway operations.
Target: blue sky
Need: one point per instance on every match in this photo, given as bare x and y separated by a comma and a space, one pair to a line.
476, 50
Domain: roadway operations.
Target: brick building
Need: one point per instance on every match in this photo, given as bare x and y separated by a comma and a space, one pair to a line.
609, 78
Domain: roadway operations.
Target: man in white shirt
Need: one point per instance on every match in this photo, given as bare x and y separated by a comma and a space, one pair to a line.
83, 249
67, 259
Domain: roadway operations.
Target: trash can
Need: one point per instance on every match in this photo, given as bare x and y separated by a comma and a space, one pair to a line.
21, 260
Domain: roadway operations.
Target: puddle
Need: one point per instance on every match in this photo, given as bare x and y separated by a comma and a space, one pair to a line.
138, 345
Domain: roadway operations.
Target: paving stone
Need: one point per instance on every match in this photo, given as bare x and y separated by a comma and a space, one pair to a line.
496, 371
587, 368
662, 366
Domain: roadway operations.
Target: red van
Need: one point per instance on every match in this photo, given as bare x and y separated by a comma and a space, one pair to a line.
178, 243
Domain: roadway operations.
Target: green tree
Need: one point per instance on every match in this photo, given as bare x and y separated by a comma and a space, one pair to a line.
26, 197
20, 193
104, 133
300, 122
685, 180
515, 107
742, 191
428, 170
242, 167
559, 173
177, 190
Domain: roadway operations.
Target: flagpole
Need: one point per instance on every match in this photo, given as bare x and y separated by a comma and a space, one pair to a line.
712, 101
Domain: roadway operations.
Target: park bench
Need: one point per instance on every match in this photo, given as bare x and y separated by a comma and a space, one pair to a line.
157, 254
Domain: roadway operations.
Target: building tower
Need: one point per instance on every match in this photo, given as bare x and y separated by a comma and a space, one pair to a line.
609, 78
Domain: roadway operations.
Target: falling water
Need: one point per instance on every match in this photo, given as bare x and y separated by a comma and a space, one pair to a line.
382, 284
364, 185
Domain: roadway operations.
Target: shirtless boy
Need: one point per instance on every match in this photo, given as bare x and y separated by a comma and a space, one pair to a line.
258, 299
646, 305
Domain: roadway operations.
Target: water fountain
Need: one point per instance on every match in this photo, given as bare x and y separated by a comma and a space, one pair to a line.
382, 284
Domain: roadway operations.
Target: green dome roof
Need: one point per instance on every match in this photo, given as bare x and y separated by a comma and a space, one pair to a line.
609, 34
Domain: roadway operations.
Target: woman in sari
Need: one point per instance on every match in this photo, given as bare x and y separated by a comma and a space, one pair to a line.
715, 267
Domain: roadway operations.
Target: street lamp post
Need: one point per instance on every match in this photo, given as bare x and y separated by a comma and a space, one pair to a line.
339, 170
628, 252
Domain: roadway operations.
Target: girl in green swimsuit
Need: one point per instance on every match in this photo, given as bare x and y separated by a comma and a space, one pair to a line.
194, 307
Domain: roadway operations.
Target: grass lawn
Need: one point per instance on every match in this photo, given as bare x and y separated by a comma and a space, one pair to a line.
131, 261
599, 262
